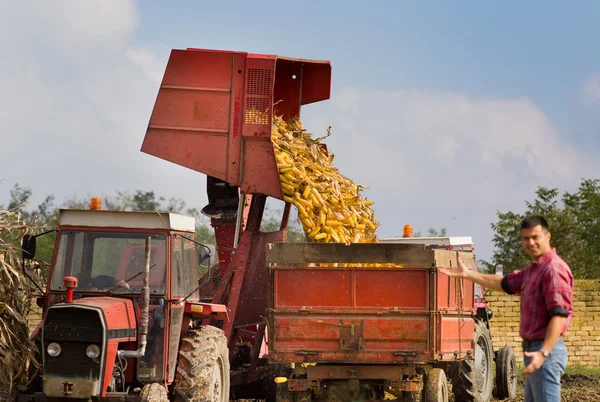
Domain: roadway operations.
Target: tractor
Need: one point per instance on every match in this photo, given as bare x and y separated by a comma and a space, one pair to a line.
122, 316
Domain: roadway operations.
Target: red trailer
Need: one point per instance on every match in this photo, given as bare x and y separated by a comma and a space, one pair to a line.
360, 332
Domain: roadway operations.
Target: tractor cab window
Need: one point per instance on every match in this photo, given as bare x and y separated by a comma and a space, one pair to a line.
184, 268
110, 261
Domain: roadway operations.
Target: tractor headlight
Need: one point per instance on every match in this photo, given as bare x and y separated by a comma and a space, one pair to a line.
54, 349
92, 351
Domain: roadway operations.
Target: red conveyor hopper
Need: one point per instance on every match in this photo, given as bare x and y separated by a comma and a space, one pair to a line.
214, 112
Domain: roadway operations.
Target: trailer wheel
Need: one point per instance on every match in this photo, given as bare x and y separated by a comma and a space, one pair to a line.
203, 367
474, 381
436, 386
506, 374
154, 392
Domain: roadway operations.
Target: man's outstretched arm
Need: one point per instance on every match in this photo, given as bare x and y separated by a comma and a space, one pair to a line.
489, 281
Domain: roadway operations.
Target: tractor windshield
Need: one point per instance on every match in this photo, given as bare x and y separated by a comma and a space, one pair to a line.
109, 261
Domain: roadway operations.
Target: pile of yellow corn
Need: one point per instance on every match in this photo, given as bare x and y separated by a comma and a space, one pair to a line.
329, 205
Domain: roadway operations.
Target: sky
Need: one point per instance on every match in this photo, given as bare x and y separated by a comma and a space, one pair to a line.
449, 111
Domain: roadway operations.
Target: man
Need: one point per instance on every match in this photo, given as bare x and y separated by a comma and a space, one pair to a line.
546, 290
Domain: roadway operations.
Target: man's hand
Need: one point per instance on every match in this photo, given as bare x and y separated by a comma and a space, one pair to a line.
537, 360
461, 271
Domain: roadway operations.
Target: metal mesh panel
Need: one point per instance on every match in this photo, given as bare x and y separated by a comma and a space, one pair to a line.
259, 82
258, 96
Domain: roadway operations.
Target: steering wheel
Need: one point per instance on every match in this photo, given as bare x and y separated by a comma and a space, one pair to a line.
120, 284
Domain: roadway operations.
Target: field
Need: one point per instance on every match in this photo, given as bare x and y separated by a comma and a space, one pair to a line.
579, 384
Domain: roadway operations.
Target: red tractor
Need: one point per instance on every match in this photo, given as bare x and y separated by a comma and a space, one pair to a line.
122, 312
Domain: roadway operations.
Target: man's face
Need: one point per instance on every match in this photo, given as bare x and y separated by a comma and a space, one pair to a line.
536, 241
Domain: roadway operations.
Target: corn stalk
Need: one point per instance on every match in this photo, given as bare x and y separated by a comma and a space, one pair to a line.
16, 291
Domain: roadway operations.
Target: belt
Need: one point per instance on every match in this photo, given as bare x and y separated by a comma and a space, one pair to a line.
526, 343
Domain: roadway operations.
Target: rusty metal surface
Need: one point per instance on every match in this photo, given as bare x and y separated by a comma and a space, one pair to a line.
213, 112
361, 314
448, 336
330, 372
72, 387
411, 255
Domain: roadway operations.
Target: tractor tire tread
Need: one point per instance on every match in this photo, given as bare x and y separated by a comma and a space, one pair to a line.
504, 359
201, 350
464, 383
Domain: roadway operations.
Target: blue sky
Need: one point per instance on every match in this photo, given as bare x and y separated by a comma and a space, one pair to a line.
449, 111
538, 49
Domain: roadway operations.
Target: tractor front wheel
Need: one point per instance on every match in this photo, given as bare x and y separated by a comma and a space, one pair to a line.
203, 367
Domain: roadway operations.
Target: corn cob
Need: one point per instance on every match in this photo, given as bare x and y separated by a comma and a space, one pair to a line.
330, 206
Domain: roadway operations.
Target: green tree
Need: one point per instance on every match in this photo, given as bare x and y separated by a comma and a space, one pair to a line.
44, 216
574, 225
272, 222
431, 232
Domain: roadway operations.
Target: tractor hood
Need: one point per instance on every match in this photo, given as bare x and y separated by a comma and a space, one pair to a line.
119, 314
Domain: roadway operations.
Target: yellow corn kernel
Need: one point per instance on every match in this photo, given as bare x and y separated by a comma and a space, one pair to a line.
321, 236
314, 231
322, 218
306, 192
301, 210
306, 222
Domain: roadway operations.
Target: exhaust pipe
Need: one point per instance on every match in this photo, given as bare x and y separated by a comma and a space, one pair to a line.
142, 339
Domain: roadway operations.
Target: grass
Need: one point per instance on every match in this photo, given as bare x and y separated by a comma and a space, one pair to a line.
583, 370
575, 370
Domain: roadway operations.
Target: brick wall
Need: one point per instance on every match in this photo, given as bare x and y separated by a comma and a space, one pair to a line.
582, 338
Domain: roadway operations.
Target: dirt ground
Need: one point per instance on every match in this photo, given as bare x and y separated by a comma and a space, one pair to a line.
576, 388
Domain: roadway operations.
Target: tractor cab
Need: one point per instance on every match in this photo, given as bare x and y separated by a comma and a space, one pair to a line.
122, 291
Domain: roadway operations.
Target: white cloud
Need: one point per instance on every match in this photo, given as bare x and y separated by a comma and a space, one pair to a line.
75, 100
77, 92
591, 89
445, 159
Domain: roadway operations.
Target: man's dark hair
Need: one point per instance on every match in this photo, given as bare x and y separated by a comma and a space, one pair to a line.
532, 221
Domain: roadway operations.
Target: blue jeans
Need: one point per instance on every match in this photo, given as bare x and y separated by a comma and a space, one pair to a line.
544, 384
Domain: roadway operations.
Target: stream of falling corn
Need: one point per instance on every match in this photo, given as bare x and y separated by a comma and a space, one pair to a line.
330, 206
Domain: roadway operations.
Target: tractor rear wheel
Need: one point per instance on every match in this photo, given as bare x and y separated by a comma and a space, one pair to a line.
154, 392
506, 374
203, 367
436, 386
474, 380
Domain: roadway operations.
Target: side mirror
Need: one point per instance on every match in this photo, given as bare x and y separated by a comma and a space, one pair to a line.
206, 255
28, 247
499, 269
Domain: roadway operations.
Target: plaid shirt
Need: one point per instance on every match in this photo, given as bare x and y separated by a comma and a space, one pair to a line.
546, 289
